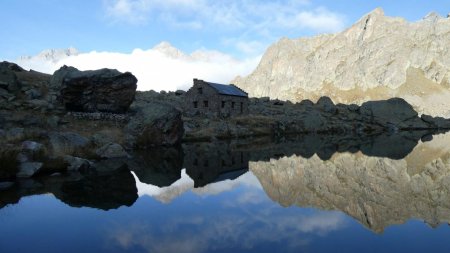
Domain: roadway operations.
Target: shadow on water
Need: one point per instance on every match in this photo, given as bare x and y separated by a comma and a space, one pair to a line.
205, 163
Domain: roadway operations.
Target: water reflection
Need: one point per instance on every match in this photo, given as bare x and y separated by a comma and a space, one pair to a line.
97, 190
378, 180
378, 192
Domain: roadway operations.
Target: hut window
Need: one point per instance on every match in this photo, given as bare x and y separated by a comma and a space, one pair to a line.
205, 103
242, 107
223, 104
200, 90
232, 105
195, 161
206, 163
195, 104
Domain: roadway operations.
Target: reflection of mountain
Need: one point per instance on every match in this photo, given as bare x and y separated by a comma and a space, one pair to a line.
395, 145
346, 173
376, 191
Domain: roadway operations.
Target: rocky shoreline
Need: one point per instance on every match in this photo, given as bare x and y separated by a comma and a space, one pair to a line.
73, 121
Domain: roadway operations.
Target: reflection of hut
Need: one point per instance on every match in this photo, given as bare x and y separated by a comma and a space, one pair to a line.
207, 164
160, 167
220, 99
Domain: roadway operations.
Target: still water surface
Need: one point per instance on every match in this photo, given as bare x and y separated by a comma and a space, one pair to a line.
388, 194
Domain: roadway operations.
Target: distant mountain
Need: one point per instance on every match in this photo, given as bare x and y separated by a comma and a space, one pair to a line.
53, 55
377, 58
162, 67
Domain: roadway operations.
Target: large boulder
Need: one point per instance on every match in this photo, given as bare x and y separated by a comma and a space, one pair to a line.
103, 90
394, 111
8, 78
111, 150
154, 124
67, 143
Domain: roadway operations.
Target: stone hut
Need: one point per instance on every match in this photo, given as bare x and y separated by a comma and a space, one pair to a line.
216, 99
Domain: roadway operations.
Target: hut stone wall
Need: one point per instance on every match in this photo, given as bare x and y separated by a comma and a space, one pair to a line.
202, 99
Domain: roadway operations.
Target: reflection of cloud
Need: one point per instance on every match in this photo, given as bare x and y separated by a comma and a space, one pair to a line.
247, 179
185, 183
165, 194
136, 235
235, 227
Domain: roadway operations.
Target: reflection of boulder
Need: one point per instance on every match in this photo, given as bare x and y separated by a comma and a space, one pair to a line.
207, 162
105, 191
395, 145
378, 192
160, 167
98, 190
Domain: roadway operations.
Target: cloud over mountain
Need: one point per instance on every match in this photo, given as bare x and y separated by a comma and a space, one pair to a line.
161, 68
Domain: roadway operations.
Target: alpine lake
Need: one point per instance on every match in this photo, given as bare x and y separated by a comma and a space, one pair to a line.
387, 193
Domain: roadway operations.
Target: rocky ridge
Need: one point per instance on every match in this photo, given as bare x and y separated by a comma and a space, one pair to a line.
379, 57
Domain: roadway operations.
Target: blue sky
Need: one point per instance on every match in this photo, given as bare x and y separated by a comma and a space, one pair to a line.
238, 28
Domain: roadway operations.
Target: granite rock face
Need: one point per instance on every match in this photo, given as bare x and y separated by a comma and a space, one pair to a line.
103, 90
379, 57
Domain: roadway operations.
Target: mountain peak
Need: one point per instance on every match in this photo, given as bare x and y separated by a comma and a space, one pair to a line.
166, 48
432, 16
376, 12
376, 58
53, 55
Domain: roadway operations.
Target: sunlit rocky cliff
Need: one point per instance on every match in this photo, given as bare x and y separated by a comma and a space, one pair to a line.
376, 191
377, 58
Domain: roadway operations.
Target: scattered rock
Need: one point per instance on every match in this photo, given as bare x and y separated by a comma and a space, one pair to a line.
6, 185
53, 121
76, 163
326, 104
179, 92
15, 134
67, 143
111, 150
8, 79
28, 169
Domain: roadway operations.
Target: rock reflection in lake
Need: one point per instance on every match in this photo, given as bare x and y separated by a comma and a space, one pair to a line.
365, 177
376, 191
233, 197
98, 190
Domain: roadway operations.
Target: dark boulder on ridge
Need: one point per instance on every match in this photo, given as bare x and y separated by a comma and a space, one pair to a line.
103, 90
154, 124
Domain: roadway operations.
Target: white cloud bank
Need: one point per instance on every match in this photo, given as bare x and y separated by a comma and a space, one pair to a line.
160, 68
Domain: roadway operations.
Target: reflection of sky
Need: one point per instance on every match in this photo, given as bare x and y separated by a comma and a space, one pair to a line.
185, 184
239, 219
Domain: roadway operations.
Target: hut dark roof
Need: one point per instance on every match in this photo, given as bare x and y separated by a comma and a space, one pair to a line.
230, 90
